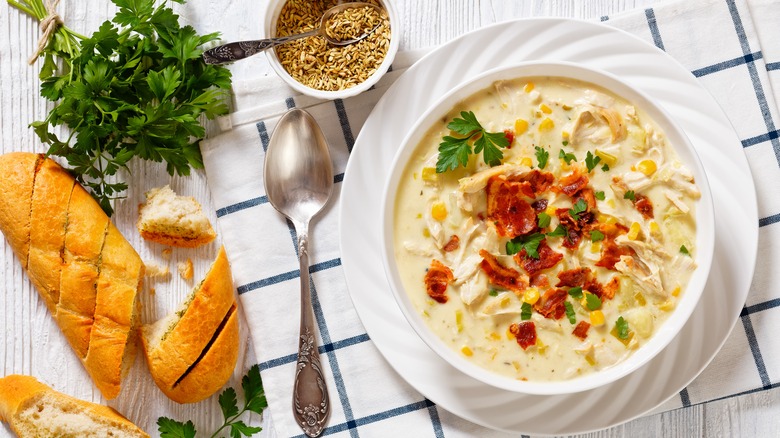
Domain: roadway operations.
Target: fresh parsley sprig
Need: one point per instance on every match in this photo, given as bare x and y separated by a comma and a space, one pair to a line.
454, 151
254, 401
136, 87
528, 243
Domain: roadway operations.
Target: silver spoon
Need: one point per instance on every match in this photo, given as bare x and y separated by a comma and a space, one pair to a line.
243, 49
298, 179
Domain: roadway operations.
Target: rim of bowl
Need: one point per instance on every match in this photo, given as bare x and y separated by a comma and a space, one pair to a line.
273, 8
705, 229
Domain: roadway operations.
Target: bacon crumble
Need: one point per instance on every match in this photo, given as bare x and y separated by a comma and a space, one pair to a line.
581, 331
525, 333
501, 275
437, 279
551, 304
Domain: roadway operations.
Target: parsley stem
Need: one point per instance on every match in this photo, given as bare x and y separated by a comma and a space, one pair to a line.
24, 9
228, 421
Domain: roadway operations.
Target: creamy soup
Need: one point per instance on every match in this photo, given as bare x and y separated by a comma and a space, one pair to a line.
566, 254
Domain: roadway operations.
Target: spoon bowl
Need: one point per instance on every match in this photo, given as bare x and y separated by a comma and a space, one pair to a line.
298, 179
243, 49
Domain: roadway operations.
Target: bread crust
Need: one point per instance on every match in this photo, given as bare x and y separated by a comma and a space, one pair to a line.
84, 270
190, 340
18, 392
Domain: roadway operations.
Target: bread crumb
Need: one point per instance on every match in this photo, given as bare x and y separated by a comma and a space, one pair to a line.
152, 291
166, 253
185, 269
153, 270
170, 219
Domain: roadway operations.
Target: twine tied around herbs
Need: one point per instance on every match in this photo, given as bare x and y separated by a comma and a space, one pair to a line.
48, 25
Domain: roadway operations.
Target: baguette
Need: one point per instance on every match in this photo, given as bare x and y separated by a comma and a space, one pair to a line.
33, 409
84, 270
191, 353
169, 219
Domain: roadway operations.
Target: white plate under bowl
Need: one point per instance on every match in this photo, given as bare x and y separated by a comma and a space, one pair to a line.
639, 64
705, 229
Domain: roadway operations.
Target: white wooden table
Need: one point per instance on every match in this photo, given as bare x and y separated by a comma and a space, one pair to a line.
33, 344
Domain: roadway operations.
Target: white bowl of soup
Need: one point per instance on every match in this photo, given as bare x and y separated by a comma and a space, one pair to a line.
547, 228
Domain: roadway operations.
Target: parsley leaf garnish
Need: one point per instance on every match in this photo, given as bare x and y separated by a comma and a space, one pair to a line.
565, 142
593, 301
559, 231
493, 293
570, 312
454, 151
541, 156
528, 243
596, 235
684, 250
605, 167
621, 326
137, 87
579, 207
599, 195
254, 401
630, 195
591, 161
543, 220
576, 292
525, 311
568, 158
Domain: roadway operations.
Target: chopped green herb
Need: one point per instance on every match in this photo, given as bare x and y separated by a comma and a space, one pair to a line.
576, 293
605, 167
525, 312
684, 250
591, 161
541, 156
621, 326
596, 235
600, 195
570, 312
630, 195
559, 231
454, 151
528, 243
593, 301
543, 220
493, 293
565, 142
568, 158
579, 207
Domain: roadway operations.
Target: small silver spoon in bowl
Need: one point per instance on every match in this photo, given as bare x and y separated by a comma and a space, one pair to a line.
298, 179
243, 49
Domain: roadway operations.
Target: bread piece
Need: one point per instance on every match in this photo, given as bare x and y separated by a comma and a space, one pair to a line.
191, 353
33, 409
173, 220
84, 270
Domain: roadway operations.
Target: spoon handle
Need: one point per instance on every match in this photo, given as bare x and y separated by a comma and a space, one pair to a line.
311, 406
243, 49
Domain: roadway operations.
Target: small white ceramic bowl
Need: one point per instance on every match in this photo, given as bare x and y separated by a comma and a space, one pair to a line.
274, 8
704, 239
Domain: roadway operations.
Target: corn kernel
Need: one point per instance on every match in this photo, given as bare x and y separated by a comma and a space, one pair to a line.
611, 202
540, 346
495, 336
426, 314
504, 301
607, 158
546, 124
640, 299
439, 211
564, 165
459, 320
633, 232
516, 364
528, 87
566, 107
531, 295
596, 318
521, 125
666, 305
595, 247
429, 174
545, 109
565, 135
509, 334
467, 351
426, 233
655, 230
550, 211
526, 161
676, 292
647, 167
626, 341
504, 106
419, 216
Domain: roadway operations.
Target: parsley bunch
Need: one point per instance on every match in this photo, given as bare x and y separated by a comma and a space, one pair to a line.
454, 151
254, 401
135, 87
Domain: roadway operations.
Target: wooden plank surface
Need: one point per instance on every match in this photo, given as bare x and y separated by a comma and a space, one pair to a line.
33, 343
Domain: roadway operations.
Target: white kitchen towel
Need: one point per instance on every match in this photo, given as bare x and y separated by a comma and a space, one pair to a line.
732, 46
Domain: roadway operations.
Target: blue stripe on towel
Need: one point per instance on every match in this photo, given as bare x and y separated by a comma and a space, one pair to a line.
287, 276
766, 305
653, 25
773, 66
756, 350
685, 398
714, 68
769, 136
344, 120
325, 348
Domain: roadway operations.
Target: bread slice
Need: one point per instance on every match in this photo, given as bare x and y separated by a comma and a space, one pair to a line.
17, 174
33, 409
192, 352
170, 219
